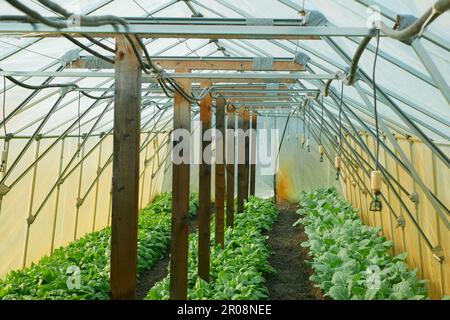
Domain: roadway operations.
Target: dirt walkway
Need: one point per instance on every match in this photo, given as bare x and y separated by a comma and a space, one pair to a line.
150, 277
292, 279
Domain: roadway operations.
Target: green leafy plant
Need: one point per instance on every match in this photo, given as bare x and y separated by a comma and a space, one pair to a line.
237, 270
351, 260
48, 278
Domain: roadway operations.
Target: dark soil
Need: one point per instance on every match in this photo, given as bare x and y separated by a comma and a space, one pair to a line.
291, 282
159, 271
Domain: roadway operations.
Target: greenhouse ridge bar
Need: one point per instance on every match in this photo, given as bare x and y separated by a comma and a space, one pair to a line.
100, 103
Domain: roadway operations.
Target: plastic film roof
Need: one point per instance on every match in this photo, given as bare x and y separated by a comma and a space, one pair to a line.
401, 72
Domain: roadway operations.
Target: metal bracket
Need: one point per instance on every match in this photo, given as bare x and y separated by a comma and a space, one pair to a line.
64, 90
302, 58
79, 202
30, 220
401, 222
262, 63
259, 22
4, 189
99, 170
438, 254
414, 197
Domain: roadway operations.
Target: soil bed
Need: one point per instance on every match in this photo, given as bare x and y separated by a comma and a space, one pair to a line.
288, 258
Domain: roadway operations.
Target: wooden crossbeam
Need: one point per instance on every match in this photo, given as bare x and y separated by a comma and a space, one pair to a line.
171, 63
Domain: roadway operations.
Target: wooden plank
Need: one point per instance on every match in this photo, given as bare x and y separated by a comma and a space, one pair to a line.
422, 160
220, 171
125, 183
412, 236
204, 210
441, 179
180, 204
254, 120
202, 64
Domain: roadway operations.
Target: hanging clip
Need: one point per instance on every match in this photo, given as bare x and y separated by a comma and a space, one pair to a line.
307, 145
376, 204
321, 151
303, 141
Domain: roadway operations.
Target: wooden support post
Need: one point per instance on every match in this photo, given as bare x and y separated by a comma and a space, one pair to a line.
125, 182
220, 170
247, 154
231, 160
180, 201
243, 168
204, 209
253, 154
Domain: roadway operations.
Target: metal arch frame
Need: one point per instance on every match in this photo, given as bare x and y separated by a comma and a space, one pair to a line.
173, 2
342, 68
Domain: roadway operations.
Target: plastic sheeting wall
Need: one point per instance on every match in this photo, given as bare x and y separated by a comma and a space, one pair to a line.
60, 220
408, 238
298, 169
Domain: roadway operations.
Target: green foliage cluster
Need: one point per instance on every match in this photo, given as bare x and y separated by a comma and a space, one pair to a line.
351, 260
237, 270
48, 278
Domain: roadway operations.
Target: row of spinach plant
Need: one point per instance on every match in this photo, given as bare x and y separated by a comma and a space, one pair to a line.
351, 260
237, 270
81, 269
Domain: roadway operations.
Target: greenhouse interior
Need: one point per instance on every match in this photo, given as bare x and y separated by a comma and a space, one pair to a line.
225, 150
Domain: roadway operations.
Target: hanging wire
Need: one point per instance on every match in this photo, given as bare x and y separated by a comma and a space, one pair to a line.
4, 106
309, 130
340, 119
375, 104
337, 161
3, 160
375, 178
320, 132
303, 126
79, 124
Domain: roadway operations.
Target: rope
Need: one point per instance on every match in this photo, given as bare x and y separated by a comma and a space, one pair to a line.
4, 106
3, 159
321, 122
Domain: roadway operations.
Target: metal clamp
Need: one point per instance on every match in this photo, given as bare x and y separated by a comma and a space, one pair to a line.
79, 202
30, 220
401, 222
4, 189
438, 254
414, 197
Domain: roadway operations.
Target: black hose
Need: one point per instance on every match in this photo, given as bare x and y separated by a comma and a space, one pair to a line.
54, 85
98, 43
86, 48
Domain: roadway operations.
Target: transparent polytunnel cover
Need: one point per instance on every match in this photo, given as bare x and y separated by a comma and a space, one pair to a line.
404, 72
